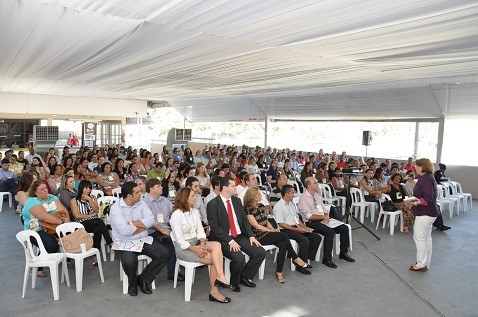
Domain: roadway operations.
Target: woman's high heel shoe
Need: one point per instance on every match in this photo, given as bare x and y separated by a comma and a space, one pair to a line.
218, 283
224, 301
305, 265
280, 279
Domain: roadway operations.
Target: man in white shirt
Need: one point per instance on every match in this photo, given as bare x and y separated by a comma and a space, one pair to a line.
215, 189
251, 181
130, 219
316, 217
93, 162
229, 226
286, 215
193, 183
31, 155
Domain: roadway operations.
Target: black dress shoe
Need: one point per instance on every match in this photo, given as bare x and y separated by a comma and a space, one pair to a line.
145, 287
346, 257
444, 228
247, 282
218, 283
224, 301
329, 264
308, 266
303, 270
133, 290
235, 288
181, 277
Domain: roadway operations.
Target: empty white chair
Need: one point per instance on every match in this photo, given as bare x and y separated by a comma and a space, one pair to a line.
450, 193
10, 199
392, 214
360, 205
97, 193
63, 230
117, 192
141, 259
44, 259
468, 196
102, 201
327, 195
445, 195
296, 187
450, 204
189, 276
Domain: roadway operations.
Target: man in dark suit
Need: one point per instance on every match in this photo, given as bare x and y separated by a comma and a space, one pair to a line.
231, 228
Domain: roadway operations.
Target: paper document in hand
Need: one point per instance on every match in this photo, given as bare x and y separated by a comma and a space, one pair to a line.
410, 198
334, 223
130, 245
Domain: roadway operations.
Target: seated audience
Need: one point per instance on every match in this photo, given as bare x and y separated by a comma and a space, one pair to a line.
397, 193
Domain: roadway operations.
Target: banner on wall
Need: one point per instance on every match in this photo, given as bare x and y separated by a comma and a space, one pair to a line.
89, 134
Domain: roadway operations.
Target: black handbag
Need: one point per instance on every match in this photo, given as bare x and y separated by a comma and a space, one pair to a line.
388, 205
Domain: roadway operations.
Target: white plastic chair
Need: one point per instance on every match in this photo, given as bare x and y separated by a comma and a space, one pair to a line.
101, 201
450, 193
450, 204
34, 261
123, 277
360, 205
296, 187
465, 197
445, 195
262, 268
97, 192
329, 198
117, 192
10, 200
468, 196
79, 258
190, 271
392, 214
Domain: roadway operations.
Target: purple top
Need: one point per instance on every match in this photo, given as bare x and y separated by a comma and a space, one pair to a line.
426, 191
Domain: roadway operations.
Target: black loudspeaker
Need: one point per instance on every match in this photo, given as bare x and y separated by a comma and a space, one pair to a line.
366, 138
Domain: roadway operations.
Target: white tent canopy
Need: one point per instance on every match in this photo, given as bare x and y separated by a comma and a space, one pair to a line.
220, 60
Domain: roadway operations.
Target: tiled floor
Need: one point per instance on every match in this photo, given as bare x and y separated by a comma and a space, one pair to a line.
377, 284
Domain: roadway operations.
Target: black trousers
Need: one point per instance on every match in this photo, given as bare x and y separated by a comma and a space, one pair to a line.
280, 240
129, 259
329, 234
238, 266
98, 228
168, 243
308, 243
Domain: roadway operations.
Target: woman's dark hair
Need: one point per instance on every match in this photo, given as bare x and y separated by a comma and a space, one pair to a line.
130, 167
104, 165
117, 163
34, 186
181, 201
394, 176
83, 159
378, 171
25, 181
81, 187
53, 168
65, 160
366, 171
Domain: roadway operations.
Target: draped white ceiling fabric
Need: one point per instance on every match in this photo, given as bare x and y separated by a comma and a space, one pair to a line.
220, 60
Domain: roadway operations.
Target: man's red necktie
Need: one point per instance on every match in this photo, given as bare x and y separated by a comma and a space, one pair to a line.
231, 219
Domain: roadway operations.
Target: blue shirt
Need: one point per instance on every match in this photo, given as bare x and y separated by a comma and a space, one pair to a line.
161, 206
30, 222
121, 216
7, 174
